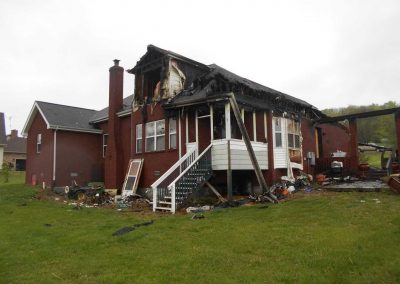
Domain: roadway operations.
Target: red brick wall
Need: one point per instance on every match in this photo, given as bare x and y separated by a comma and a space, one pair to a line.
154, 162
125, 154
334, 138
40, 164
81, 154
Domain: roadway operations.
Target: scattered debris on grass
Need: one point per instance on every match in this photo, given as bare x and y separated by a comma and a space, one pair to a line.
128, 229
198, 216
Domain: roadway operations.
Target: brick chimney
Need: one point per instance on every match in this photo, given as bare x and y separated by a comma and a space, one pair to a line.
14, 133
113, 164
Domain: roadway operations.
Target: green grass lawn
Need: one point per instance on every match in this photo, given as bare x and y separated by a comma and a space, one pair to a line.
315, 238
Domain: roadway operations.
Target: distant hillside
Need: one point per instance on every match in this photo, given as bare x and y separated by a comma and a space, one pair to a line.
379, 130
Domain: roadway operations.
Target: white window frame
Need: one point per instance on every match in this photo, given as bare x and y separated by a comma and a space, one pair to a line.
172, 133
139, 128
39, 143
278, 122
294, 134
105, 144
154, 135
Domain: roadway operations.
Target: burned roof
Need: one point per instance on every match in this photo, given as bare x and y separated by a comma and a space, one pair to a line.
102, 115
219, 81
3, 140
16, 145
151, 49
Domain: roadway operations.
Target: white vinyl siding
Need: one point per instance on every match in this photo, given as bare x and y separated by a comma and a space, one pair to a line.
280, 152
240, 159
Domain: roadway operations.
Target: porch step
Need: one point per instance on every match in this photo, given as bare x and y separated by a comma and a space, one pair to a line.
163, 208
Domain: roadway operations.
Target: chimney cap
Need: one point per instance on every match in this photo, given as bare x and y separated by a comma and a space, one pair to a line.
116, 62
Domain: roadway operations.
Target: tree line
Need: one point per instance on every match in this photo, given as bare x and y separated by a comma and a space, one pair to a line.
379, 129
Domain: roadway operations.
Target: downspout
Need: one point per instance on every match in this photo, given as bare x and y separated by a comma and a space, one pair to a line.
54, 155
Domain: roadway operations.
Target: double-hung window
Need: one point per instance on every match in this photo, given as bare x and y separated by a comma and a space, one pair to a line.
172, 133
105, 142
278, 132
293, 134
38, 143
139, 138
155, 136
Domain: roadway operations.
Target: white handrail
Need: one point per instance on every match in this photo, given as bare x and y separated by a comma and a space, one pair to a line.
172, 168
188, 168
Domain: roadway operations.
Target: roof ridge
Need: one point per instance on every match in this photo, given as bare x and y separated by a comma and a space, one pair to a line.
65, 105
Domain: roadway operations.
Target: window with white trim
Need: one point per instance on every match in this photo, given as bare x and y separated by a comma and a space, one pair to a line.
278, 132
172, 133
105, 142
38, 143
139, 138
293, 134
155, 136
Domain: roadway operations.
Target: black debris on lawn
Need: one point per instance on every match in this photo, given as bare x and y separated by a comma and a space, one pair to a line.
126, 230
198, 216
48, 225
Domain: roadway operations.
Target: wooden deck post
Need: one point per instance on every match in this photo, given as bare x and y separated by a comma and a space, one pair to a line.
247, 141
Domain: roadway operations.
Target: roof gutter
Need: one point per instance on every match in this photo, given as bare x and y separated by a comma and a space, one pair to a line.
93, 131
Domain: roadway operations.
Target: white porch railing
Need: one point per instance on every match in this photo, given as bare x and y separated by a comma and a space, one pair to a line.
160, 186
191, 179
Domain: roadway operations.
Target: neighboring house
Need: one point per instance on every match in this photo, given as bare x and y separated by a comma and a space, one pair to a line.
15, 151
180, 121
3, 140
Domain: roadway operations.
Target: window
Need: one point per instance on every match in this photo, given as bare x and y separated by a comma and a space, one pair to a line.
293, 134
155, 136
172, 133
278, 132
105, 142
39, 143
139, 138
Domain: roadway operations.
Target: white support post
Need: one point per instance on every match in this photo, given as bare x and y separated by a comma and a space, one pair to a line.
187, 128
173, 199
179, 135
265, 127
212, 122
197, 132
242, 116
228, 133
154, 198
254, 126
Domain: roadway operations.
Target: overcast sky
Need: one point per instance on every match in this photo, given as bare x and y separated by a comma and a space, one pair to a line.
329, 53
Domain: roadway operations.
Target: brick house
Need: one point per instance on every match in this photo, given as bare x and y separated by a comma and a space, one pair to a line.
186, 121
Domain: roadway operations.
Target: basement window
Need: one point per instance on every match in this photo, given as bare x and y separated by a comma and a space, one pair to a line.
139, 138
39, 143
172, 133
105, 142
278, 132
155, 136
